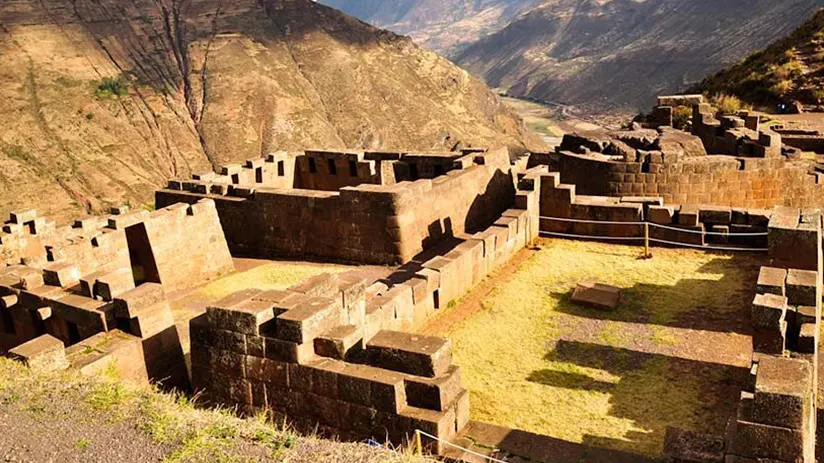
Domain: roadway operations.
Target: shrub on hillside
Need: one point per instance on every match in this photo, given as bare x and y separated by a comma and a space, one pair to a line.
727, 105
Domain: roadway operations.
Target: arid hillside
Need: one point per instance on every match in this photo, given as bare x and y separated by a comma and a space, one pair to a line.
102, 101
445, 26
620, 54
789, 71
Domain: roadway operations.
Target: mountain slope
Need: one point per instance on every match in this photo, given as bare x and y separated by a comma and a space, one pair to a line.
101, 101
791, 69
441, 25
619, 54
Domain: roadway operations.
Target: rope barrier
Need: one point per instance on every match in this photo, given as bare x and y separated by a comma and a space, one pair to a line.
706, 232
419, 432
699, 246
606, 222
647, 239
594, 237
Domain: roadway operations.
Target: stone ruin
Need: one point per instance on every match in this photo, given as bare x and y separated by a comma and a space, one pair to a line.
732, 162
339, 353
777, 414
335, 351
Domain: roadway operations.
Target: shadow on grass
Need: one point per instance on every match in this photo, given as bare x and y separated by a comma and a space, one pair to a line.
653, 390
721, 305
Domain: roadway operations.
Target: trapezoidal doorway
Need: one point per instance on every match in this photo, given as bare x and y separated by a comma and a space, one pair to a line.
144, 267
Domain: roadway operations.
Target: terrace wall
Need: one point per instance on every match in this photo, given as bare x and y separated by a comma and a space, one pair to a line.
716, 179
332, 353
367, 223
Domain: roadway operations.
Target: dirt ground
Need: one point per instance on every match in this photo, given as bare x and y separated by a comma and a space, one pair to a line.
675, 353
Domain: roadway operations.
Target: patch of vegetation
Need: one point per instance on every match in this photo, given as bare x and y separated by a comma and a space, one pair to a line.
728, 105
67, 82
113, 86
776, 74
185, 431
277, 275
82, 443
17, 152
533, 360
681, 117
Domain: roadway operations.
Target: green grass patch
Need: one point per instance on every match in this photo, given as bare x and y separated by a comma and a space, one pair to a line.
112, 86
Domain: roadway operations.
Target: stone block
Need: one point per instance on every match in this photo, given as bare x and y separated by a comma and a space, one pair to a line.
768, 311
772, 280
682, 446
762, 441
783, 392
802, 287
715, 215
805, 314
241, 313
43, 353
286, 351
22, 217
372, 387
770, 341
135, 301
341, 342
64, 275
664, 215
308, 320
419, 355
203, 334
688, 216
807, 338
112, 284
267, 370
597, 295
438, 424
325, 377
434, 393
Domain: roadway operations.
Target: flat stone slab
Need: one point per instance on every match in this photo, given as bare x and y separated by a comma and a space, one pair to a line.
596, 295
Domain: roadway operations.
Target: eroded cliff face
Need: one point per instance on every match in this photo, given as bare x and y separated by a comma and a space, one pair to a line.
101, 101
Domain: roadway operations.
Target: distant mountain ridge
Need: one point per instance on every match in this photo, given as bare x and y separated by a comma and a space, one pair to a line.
602, 55
619, 54
445, 26
789, 71
102, 101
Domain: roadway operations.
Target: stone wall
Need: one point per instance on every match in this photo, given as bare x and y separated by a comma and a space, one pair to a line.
333, 353
367, 223
777, 415
690, 225
716, 179
111, 273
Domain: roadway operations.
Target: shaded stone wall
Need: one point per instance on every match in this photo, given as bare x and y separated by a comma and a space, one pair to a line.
367, 223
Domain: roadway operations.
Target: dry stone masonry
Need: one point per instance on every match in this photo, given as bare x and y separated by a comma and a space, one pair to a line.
339, 352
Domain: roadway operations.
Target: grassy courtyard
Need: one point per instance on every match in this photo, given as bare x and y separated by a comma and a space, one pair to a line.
675, 352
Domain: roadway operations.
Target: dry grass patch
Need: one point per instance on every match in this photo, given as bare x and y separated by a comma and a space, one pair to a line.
537, 362
78, 409
275, 275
